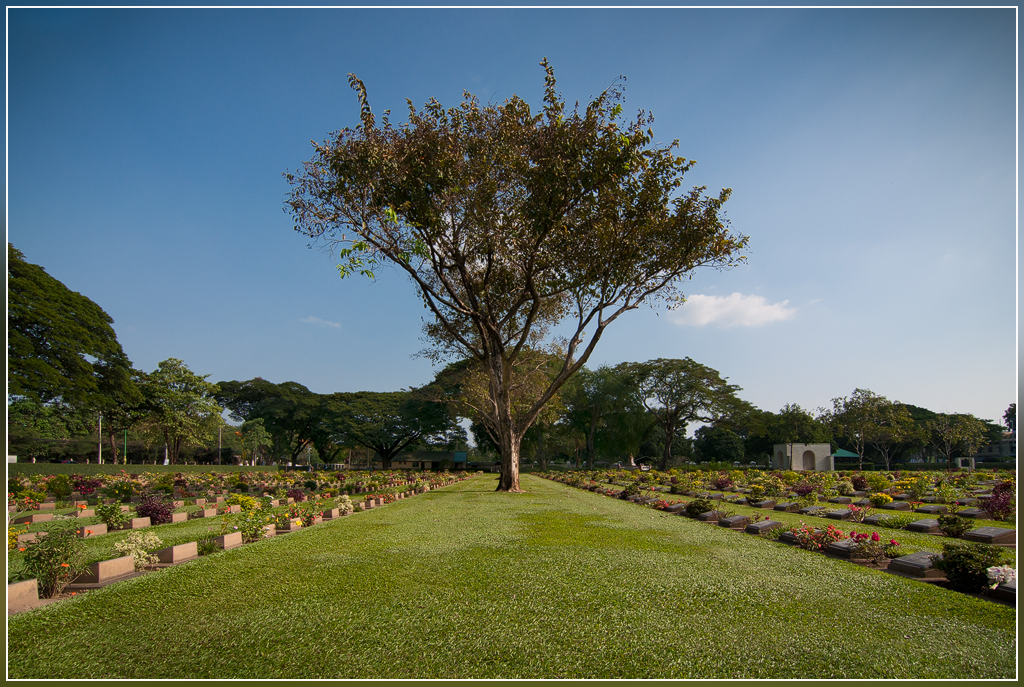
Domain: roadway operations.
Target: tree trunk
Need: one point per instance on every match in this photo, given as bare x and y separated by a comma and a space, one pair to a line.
509, 477
670, 433
113, 444
542, 459
509, 440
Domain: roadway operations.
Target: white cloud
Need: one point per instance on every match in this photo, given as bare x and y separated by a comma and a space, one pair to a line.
317, 320
734, 310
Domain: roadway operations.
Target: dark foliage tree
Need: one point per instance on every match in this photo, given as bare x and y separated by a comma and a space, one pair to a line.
391, 422
58, 341
718, 444
292, 414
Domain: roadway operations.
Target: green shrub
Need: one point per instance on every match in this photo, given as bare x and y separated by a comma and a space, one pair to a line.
111, 515
120, 491
953, 525
877, 481
966, 564
60, 487
897, 521
207, 546
55, 559
844, 487
698, 506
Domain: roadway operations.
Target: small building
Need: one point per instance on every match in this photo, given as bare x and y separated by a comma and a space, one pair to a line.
803, 457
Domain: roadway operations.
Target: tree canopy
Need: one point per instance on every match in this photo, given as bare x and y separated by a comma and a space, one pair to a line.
390, 422
679, 392
510, 223
58, 341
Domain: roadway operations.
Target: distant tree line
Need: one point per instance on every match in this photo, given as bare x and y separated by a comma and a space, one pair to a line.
70, 386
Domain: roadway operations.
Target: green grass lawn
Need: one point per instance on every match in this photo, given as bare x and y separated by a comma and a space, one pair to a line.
464, 582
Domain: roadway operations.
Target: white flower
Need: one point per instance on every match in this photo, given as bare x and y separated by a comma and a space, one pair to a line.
1000, 574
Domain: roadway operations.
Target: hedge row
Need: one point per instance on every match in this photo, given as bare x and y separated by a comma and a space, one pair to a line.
34, 469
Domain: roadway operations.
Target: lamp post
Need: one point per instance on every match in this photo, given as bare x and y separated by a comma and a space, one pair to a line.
99, 441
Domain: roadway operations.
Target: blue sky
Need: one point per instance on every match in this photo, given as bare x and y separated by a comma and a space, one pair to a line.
871, 153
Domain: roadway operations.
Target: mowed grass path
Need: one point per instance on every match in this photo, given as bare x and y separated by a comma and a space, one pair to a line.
465, 582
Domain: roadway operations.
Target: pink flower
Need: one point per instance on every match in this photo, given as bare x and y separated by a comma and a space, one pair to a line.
874, 536
894, 542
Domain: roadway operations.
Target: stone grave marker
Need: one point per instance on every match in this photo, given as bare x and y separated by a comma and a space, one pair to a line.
787, 507
179, 553
92, 530
230, 541
844, 548
32, 518
935, 509
762, 527
811, 509
992, 535
764, 504
975, 514
735, 521
840, 514
925, 526
1007, 591
710, 516
840, 499
919, 564
895, 505
105, 571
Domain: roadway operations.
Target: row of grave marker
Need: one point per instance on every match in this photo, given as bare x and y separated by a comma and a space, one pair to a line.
25, 594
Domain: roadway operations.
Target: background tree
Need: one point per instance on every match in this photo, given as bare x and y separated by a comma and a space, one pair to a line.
292, 414
717, 443
952, 434
255, 439
510, 223
601, 399
182, 404
391, 422
1010, 417
854, 418
121, 402
56, 338
680, 392
893, 428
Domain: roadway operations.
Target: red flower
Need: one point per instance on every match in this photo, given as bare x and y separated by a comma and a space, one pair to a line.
874, 536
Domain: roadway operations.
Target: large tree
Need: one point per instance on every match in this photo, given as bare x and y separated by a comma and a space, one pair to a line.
855, 418
292, 414
952, 434
390, 422
603, 405
510, 223
57, 339
893, 428
182, 404
680, 392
